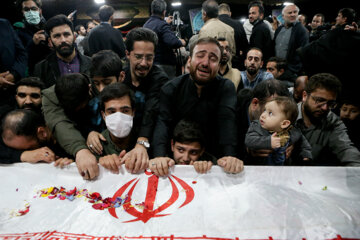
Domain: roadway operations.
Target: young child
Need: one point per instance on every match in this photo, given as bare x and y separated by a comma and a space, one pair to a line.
350, 115
187, 146
275, 130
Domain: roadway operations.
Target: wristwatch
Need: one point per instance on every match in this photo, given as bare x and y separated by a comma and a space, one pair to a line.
146, 144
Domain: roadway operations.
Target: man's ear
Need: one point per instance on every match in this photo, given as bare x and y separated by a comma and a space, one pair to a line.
261, 64
103, 115
41, 133
281, 71
122, 76
285, 124
304, 96
254, 104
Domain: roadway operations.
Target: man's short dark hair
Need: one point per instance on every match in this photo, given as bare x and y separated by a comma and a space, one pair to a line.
19, 3
158, 7
105, 12
280, 62
203, 41
258, 4
22, 122
188, 132
224, 7
140, 34
78, 28
31, 82
322, 17
211, 8
115, 91
56, 21
105, 63
325, 81
268, 88
349, 13
72, 90
288, 106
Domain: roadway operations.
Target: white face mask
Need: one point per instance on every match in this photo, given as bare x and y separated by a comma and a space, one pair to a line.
32, 17
119, 124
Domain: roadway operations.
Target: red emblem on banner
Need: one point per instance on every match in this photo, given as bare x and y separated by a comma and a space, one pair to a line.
149, 211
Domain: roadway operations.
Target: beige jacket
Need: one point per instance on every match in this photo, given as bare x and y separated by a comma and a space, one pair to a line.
233, 75
217, 29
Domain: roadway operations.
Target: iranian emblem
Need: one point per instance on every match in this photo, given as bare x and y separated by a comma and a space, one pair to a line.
149, 211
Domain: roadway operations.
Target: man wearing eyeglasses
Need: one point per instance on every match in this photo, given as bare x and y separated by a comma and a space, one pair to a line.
145, 79
326, 133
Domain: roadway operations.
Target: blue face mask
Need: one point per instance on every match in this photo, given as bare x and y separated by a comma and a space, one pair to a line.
32, 17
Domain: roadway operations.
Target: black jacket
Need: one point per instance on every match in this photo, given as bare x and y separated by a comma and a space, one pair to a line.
147, 99
299, 38
13, 58
36, 53
48, 69
241, 41
164, 53
261, 38
337, 52
214, 111
105, 37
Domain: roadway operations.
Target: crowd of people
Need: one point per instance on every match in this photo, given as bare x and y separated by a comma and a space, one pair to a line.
257, 93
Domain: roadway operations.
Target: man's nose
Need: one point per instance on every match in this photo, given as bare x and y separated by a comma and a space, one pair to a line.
28, 100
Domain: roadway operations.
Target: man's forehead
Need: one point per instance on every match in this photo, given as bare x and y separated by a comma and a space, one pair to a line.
254, 53
24, 88
290, 8
61, 28
123, 101
224, 43
189, 145
29, 3
143, 46
208, 47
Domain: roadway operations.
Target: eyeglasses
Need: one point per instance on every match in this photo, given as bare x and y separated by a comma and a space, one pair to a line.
227, 48
140, 57
26, 9
321, 102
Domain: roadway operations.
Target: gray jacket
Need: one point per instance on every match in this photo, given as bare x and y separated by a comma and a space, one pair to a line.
331, 145
259, 138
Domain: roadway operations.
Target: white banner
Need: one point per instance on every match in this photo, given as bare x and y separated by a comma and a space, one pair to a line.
259, 203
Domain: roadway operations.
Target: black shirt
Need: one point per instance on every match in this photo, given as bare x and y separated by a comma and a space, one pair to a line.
214, 111
146, 99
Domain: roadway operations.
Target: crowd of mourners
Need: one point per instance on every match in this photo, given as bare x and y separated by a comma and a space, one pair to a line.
265, 92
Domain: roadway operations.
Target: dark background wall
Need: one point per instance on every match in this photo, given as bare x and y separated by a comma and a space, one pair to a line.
239, 8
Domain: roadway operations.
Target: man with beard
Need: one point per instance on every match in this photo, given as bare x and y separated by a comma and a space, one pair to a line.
65, 59
28, 94
225, 70
145, 79
324, 130
205, 98
253, 74
23, 129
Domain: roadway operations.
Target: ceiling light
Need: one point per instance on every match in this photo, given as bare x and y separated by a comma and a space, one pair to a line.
176, 4
288, 3
99, 1
242, 20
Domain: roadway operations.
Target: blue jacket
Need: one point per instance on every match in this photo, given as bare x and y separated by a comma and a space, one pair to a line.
164, 53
